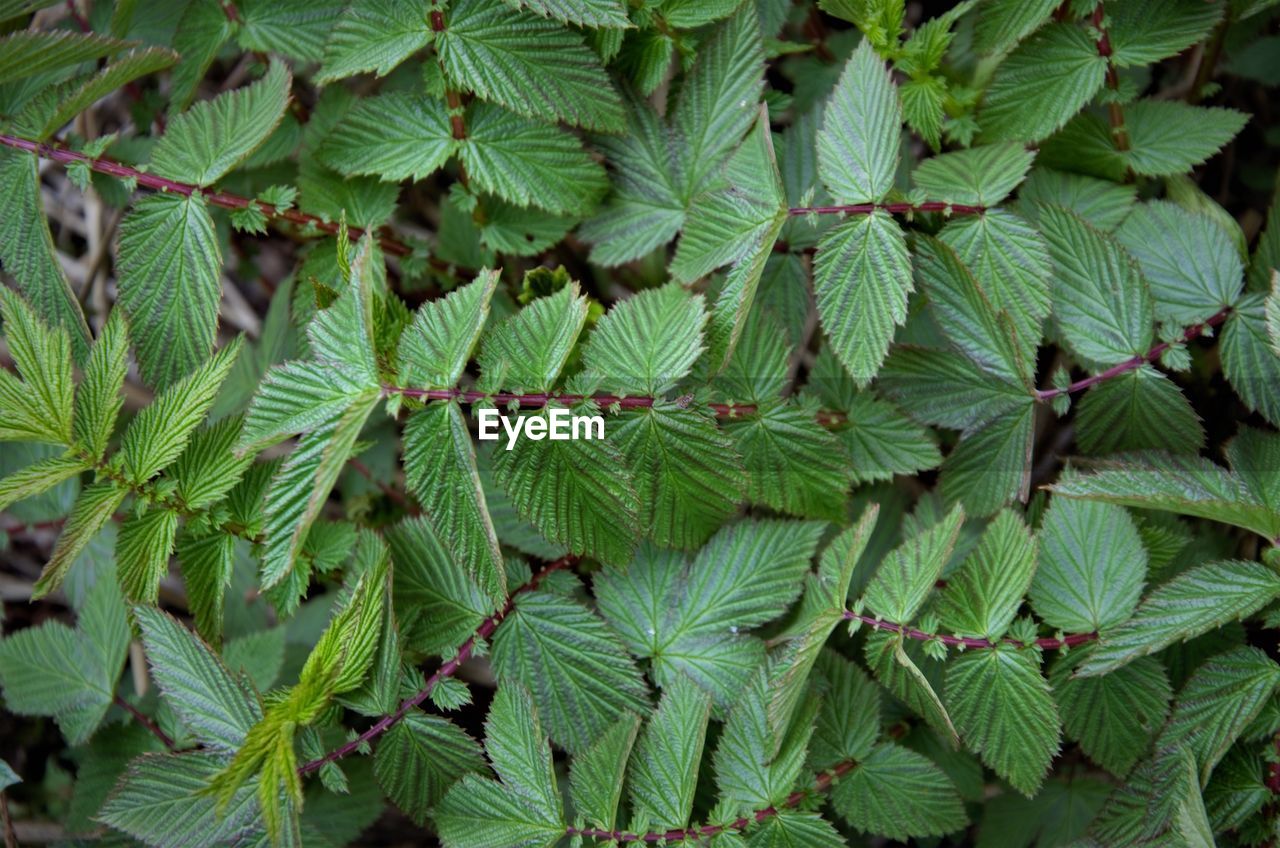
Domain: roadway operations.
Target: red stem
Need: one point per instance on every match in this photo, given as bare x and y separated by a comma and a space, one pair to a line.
821, 783
1047, 643
538, 400
448, 669
145, 722
892, 208
1114, 112
1190, 333
217, 198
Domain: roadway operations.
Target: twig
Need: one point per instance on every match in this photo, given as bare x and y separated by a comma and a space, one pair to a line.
891, 208
448, 669
145, 722
1190, 333
1114, 112
1048, 643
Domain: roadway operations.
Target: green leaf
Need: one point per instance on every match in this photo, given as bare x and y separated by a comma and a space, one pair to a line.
898, 793
142, 553
39, 477
373, 36
1101, 302
8, 777
596, 775
648, 343
205, 142
53, 107
1187, 259
440, 468
983, 597
203, 30
732, 307
169, 266
518, 748
1092, 566
591, 13
1194, 602
1170, 137
848, 722
1102, 203
437, 604
394, 136
207, 563
907, 575
528, 350
991, 465
42, 402
478, 813
883, 442
1139, 410
1003, 709
209, 468
294, 28
862, 277
1114, 717
861, 124
1184, 484
1218, 703
1042, 83
913, 677
946, 389
793, 464
664, 770
420, 758
158, 434
1251, 362
1009, 260
98, 400
787, 829
580, 676
688, 477
212, 702
27, 252
29, 52
532, 66
1150, 30
435, 347
1003, 23
94, 508
980, 176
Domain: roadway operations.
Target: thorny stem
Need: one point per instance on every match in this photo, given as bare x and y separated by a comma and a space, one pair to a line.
145, 722
224, 199
539, 400
448, 669
821, 783
1190, 333
1114, 112
1048, 643
891, 208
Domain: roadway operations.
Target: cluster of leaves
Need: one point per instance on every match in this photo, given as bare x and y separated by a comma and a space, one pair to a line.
801, 592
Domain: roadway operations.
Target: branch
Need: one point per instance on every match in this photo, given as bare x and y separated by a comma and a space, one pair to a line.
224, 199
448, 669
821, 783
145, 722
1190, 333
1114, 112
891, 208
1047, 643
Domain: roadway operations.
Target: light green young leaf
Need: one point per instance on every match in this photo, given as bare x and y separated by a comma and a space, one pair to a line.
208, 698
1100, 299
98, 400
53, 107
29, 52
527, 351
27, 252
664, 771
1114, 717
898, 793
395, 136
142, 553
209, 468
39, 477
907, 575
43, 401
1194, 602
440, 468
862, 122
981, 599
596, 776
158, 434
979, 176
435, 348
94, 508
204, 143
1004, 712
1187, 259
207, 562
648, 343
376, 35
1092, 566
1042, 83
532, 66
169, 265
862, 277
1217, 704
420, 758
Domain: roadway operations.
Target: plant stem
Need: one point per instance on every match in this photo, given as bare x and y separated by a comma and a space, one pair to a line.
1047, 643
1190, 333
1209, 60
448, 669
223, 199
1114, 112
145, 722
891, 208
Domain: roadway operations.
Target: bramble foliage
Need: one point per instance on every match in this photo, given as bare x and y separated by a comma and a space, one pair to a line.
938, 498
